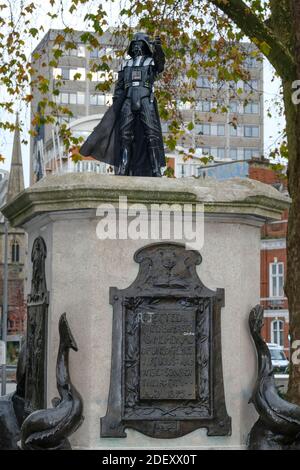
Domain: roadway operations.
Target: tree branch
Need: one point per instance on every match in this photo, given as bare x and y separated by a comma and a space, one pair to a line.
268, 23
261, 34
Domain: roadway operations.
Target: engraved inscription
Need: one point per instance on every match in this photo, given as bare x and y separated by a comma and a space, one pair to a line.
167, 355
166, 379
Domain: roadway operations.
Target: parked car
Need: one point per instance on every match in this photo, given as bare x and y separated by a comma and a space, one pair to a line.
11, 371
279, 360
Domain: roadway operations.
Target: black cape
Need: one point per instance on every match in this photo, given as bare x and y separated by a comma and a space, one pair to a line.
104, 142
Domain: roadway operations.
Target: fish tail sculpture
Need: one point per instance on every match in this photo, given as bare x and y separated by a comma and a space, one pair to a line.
49, 429
278, 426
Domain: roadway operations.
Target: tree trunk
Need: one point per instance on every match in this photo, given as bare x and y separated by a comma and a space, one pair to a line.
292, 287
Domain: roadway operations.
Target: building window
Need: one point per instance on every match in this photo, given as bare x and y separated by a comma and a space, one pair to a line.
202, 151
94, 53
214, 152
64, 98
15, 252
203, 129
203, 106
251, 62
80, 98
233, 153
221, 153
203, 82
233, 131
78, 51
233, 106
77, 74
277, 332
205, 151
220, 129
65, 73
219, 84
251, 108
251, 131
250, 153
276, 271
103, 76
97, 100
251, 85
184, 105
71, 98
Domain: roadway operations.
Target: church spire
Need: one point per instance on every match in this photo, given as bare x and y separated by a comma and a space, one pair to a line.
16, 177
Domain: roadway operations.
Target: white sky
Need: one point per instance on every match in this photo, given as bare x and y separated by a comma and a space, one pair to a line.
273, 125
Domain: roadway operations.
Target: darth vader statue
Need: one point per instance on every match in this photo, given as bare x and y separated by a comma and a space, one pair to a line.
129, 136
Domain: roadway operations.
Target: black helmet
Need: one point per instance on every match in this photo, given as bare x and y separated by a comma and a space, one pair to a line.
140, 37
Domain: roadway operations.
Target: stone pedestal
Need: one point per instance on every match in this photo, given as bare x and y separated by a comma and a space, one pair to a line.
81, 268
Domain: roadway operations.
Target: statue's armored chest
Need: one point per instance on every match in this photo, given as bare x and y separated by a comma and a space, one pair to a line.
136, 74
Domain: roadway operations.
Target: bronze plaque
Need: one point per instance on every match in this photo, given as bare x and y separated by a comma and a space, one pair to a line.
166, 370
167, 356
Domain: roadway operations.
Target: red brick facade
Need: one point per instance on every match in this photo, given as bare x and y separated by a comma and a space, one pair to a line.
258, 170
273, 251
16, 306
16, 277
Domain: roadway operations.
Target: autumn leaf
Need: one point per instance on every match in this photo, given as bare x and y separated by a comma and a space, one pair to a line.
59, 39
33, 31
28, 98
76, 157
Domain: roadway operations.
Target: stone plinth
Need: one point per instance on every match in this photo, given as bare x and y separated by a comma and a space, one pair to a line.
80, 269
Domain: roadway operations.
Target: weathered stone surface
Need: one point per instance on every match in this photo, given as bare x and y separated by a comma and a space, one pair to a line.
87, 190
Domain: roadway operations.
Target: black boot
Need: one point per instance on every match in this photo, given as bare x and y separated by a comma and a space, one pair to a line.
123, 169
153, 154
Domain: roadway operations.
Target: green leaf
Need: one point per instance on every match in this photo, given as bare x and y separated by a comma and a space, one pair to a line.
33, 31
265, 48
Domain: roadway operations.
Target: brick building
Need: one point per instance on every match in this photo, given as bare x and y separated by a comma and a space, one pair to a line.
273, 264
